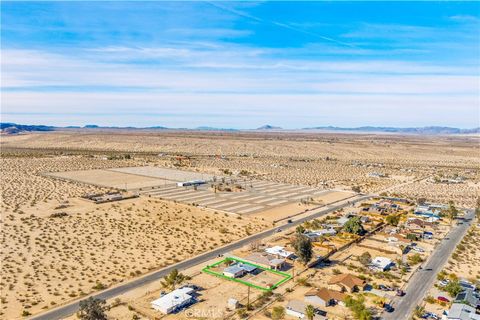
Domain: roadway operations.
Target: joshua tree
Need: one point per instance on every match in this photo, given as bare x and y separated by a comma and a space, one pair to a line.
172, 279
278, 313
93, 309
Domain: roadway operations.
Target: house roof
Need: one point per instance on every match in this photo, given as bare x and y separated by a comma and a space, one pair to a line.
419, 222
247, 267
278, 250
175, 298
277, 262
264, 259
238, 267
462, 311
467, 296
347, 280
297, 306
300, 306
381, 262
326, 294
234, 269
399, 238
258, 258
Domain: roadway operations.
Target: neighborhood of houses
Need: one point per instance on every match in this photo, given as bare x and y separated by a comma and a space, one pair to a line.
349, 264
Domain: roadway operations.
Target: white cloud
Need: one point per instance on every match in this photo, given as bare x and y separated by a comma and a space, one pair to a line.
291, 93
244, 110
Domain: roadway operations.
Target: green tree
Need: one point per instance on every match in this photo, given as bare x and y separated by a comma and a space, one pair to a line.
303, 248
452, 211
419, 311
421, 201
310, 312
278, 313
453, 288
300, 229
365, 258
93, 309
415, 259
172, 279
393, 219
354, 225
357, 306
356, 189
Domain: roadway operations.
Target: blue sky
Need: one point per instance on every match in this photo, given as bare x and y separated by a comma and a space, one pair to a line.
241, 64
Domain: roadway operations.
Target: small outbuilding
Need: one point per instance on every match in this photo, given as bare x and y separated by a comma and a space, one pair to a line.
233, 304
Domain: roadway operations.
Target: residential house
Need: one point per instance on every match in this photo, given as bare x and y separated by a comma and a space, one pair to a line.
315, 235
419, 225
174, 301
341, 221
280, 252
397, 239
296, 309
347, 282
324, 297
381, 264
460, 311
467, 296
266, 260
238, 270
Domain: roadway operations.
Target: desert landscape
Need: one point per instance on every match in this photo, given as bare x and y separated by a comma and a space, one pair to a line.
51, 235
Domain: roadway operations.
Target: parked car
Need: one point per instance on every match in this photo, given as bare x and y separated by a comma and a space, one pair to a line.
443, 283
418, 249
430, 315
442, 299
388, 308
384, 288
289, 221
400, 293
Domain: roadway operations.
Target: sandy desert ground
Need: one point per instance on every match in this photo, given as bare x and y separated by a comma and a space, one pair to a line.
325, 160
47, 261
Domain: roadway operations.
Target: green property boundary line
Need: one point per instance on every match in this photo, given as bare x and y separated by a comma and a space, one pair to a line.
285, 276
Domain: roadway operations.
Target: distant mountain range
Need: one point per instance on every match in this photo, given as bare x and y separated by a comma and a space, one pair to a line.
417, 130
13, 128
269, 127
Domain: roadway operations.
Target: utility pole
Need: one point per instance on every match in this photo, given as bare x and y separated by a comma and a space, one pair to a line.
248, 298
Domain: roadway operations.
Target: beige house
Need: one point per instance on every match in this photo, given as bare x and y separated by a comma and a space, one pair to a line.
347, 282
324, 297
267, 261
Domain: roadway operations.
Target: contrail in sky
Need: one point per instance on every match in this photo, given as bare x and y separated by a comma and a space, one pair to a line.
279, 24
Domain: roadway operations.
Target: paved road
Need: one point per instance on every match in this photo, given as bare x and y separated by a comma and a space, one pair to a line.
72, 307
424, 279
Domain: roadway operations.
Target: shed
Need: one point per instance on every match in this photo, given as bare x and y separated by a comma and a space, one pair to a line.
232, 304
